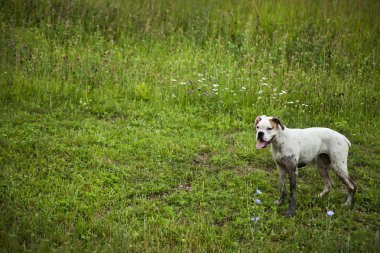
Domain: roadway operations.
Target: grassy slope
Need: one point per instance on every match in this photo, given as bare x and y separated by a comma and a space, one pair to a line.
128, 126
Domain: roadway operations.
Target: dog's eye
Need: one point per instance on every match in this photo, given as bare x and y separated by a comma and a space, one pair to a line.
269, 128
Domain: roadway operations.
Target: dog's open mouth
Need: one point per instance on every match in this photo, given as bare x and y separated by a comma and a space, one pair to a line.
263, 144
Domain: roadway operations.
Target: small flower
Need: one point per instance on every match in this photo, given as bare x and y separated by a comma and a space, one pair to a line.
258, 191
275, 89
216, 85
174, 80
261, 92
215, 90
183, 83
255, 219
258, 201
265, 84
290, 102
173, 95
243, 88
330, 213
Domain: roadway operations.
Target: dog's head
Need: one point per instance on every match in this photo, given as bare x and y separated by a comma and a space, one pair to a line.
266, 130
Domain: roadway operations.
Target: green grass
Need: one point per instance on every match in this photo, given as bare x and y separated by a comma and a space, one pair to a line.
127, 126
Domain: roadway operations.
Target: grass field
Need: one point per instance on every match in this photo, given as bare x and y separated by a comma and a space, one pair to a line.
126, 126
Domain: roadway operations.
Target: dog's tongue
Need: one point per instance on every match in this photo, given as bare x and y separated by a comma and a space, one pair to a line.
261, 144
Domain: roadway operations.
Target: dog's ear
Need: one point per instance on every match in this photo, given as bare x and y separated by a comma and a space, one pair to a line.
257, 120
276, 120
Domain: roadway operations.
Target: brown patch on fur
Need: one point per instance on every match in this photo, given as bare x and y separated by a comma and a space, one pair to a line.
257, 120
273, 124
277, 122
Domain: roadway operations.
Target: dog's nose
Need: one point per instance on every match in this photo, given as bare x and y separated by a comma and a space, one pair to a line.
260, 135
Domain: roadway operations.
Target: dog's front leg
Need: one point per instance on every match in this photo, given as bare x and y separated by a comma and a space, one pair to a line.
292, 201
282, 174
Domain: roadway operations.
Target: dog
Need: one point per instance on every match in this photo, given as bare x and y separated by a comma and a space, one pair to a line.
295, 148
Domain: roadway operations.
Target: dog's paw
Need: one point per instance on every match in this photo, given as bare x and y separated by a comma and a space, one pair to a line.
323, 193
347, 204
290, 213
279, 202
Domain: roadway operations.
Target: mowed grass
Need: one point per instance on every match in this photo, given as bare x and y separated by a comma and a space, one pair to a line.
127, 126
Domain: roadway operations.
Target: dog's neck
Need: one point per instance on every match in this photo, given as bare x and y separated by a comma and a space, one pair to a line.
277, 143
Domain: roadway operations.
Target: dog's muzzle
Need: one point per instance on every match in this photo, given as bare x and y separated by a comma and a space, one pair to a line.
261, 143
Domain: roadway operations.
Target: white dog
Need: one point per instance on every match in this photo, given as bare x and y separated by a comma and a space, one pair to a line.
294, 148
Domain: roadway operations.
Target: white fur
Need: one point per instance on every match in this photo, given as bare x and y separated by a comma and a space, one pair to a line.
305, 144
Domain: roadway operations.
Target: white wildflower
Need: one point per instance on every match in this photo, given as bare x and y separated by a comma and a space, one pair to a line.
255, 219
330, 213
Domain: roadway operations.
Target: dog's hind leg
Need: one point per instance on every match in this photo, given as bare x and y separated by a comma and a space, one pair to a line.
340, 168
351, 187
323, 164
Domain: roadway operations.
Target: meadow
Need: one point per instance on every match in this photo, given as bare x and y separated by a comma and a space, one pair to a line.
127, 126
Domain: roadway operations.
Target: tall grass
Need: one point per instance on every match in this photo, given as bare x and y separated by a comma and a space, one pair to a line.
322, 54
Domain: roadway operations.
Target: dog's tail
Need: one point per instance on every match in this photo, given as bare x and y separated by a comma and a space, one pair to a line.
348, 142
